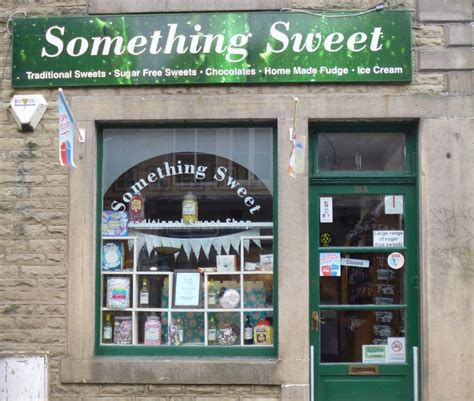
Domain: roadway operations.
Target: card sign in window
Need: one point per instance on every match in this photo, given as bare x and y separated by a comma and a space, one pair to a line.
394, 204
187, 290
330, 264
325, 210
374, 353
355, 263
389, 239
396, 350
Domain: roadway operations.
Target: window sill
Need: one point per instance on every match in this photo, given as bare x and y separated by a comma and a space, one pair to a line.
119, 370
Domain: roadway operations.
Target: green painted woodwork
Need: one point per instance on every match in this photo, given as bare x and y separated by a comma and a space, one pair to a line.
394, 382
182, 351
212, 48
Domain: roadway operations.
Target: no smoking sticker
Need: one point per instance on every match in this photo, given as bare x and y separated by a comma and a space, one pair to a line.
396, 350
396, 260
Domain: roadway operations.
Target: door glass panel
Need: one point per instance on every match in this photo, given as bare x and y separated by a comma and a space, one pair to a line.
344, 333
361, 220
361, 151
366, 278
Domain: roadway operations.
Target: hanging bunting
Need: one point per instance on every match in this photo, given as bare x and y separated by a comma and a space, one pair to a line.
196, 246
206, 244
235, 243
217, 244
222, 244
187, 247
247, 245
226, 244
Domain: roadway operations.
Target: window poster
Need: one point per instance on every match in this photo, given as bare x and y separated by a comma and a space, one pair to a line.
187, 289
330, 264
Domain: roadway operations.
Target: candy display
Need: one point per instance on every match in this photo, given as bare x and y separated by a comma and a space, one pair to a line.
114, 224
190, 208
123, 330
227, 336
152, 330
232, 303
263, 333
112, 256
229, 299
118, 292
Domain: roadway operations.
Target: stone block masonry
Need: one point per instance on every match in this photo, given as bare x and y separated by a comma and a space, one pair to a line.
35, 192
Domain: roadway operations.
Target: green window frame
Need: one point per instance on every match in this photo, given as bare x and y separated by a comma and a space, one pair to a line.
102, 349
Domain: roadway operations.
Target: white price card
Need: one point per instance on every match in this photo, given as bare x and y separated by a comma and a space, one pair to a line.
325, 210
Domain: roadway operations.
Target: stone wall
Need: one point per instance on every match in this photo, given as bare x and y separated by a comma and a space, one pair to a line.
35, 200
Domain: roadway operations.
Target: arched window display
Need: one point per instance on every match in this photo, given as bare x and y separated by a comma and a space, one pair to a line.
187, 257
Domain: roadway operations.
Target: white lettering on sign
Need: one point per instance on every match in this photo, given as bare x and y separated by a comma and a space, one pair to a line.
199, 173
333, 42
389, 239
234, 47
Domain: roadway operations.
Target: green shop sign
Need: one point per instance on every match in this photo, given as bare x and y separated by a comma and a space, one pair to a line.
220, 48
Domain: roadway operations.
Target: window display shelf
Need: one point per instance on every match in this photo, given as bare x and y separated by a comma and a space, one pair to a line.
222, 323
118, 273
236, 273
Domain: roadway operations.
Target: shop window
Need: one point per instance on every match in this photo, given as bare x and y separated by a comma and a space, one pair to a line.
186, 261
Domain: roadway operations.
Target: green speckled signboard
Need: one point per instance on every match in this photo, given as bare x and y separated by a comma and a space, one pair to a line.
219, 48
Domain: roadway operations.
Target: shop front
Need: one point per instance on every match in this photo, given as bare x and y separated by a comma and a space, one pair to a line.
247, 218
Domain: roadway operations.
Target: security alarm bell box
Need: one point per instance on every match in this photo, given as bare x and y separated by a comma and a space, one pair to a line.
28, 110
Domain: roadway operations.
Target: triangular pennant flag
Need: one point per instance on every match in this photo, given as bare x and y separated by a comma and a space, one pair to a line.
196, 246
217, 245
247, 244
225, 241
235, 242
206, 246
187, 247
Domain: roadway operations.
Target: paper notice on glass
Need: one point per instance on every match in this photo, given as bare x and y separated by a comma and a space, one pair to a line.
396, 350
187, 290
325, 210
330, 264
394, 204
389, 239
374, 353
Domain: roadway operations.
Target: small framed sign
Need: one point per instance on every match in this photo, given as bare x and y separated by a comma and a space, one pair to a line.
187, 289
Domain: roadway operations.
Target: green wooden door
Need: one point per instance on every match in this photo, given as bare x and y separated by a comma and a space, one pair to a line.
364, 283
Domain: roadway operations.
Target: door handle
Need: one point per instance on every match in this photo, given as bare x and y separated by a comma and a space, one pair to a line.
314, 321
